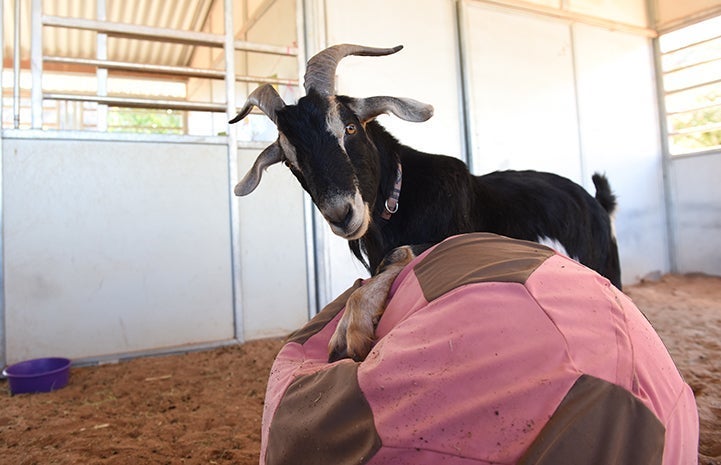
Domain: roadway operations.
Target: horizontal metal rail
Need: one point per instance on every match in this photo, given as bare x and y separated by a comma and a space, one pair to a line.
128, 102
712, 127
692, 65
165, 69
691, 45
135, 31
691, 87
710, 106
568, 15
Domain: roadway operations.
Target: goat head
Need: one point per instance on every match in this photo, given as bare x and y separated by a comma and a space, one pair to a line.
322, 140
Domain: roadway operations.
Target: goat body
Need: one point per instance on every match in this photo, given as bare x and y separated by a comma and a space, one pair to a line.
441, 198
351, 167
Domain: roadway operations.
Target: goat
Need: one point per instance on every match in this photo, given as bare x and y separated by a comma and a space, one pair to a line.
381, 195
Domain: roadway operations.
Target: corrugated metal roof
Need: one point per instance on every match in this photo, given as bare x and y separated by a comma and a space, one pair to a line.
186, 15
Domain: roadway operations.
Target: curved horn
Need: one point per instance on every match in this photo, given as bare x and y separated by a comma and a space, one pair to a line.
264, 97
320, 71
405, 108
271, 155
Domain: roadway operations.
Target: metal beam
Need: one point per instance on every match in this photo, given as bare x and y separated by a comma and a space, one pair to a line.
166, 69
567, 15
232, 151
138, 102
135, 31
36, 64
16, 66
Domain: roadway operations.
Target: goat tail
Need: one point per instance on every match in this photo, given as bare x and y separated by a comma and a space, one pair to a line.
604, 194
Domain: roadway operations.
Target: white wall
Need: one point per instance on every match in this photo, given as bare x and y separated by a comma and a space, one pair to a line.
116, 247
543, 94
273, 262
620, 136
521, 91
573, 100
696, 198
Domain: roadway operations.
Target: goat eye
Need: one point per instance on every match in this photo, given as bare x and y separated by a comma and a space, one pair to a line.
287, 163
351, 129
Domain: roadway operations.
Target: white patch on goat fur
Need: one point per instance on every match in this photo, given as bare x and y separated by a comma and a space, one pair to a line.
612, 218
555, 244
334, 123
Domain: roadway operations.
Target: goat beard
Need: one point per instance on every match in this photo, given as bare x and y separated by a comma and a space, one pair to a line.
371, 244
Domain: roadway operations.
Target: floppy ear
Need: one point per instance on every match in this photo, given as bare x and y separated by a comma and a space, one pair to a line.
270, 156
405, 108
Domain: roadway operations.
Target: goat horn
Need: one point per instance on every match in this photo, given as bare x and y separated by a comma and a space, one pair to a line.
270, 156
264, 97
320, 70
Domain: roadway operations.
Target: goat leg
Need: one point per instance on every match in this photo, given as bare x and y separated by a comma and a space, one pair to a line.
355, 334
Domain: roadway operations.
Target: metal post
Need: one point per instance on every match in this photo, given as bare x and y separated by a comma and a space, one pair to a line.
2, 68
102, 73
36, 63
308, 207
583, 176
229, 49
3, 348
464, 86
667, 172
318, 255
16, 67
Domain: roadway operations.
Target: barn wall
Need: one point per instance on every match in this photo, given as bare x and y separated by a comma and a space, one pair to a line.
541, 93
696, 201
273, 263
572, 99
620, 136
117, 247
114, 247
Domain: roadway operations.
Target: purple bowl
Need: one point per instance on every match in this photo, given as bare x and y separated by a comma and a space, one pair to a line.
38, 375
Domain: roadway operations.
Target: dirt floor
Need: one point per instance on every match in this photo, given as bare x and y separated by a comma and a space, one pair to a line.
205, 407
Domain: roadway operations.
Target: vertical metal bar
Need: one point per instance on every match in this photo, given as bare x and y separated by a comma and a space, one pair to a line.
101, 73
310, 245
16, 66
314, 39
3, 347
36, 63
584, 179
666, 169
464, 89
2, 68
232, 141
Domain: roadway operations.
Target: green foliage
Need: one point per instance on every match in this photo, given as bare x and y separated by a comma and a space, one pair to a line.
709, 118
145, 121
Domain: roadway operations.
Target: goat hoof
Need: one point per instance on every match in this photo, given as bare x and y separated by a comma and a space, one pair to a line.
337, 354
342, 353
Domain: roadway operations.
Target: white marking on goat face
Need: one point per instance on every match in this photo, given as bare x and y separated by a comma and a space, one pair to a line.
555, 244
334, 123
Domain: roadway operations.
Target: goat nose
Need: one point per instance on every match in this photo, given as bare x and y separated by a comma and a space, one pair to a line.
340, 216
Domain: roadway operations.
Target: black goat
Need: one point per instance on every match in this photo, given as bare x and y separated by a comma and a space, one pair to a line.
379, 194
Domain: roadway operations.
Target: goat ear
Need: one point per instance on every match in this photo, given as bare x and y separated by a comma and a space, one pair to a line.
270, 156
405, 108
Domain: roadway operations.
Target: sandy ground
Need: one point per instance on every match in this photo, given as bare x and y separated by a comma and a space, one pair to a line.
205, 407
